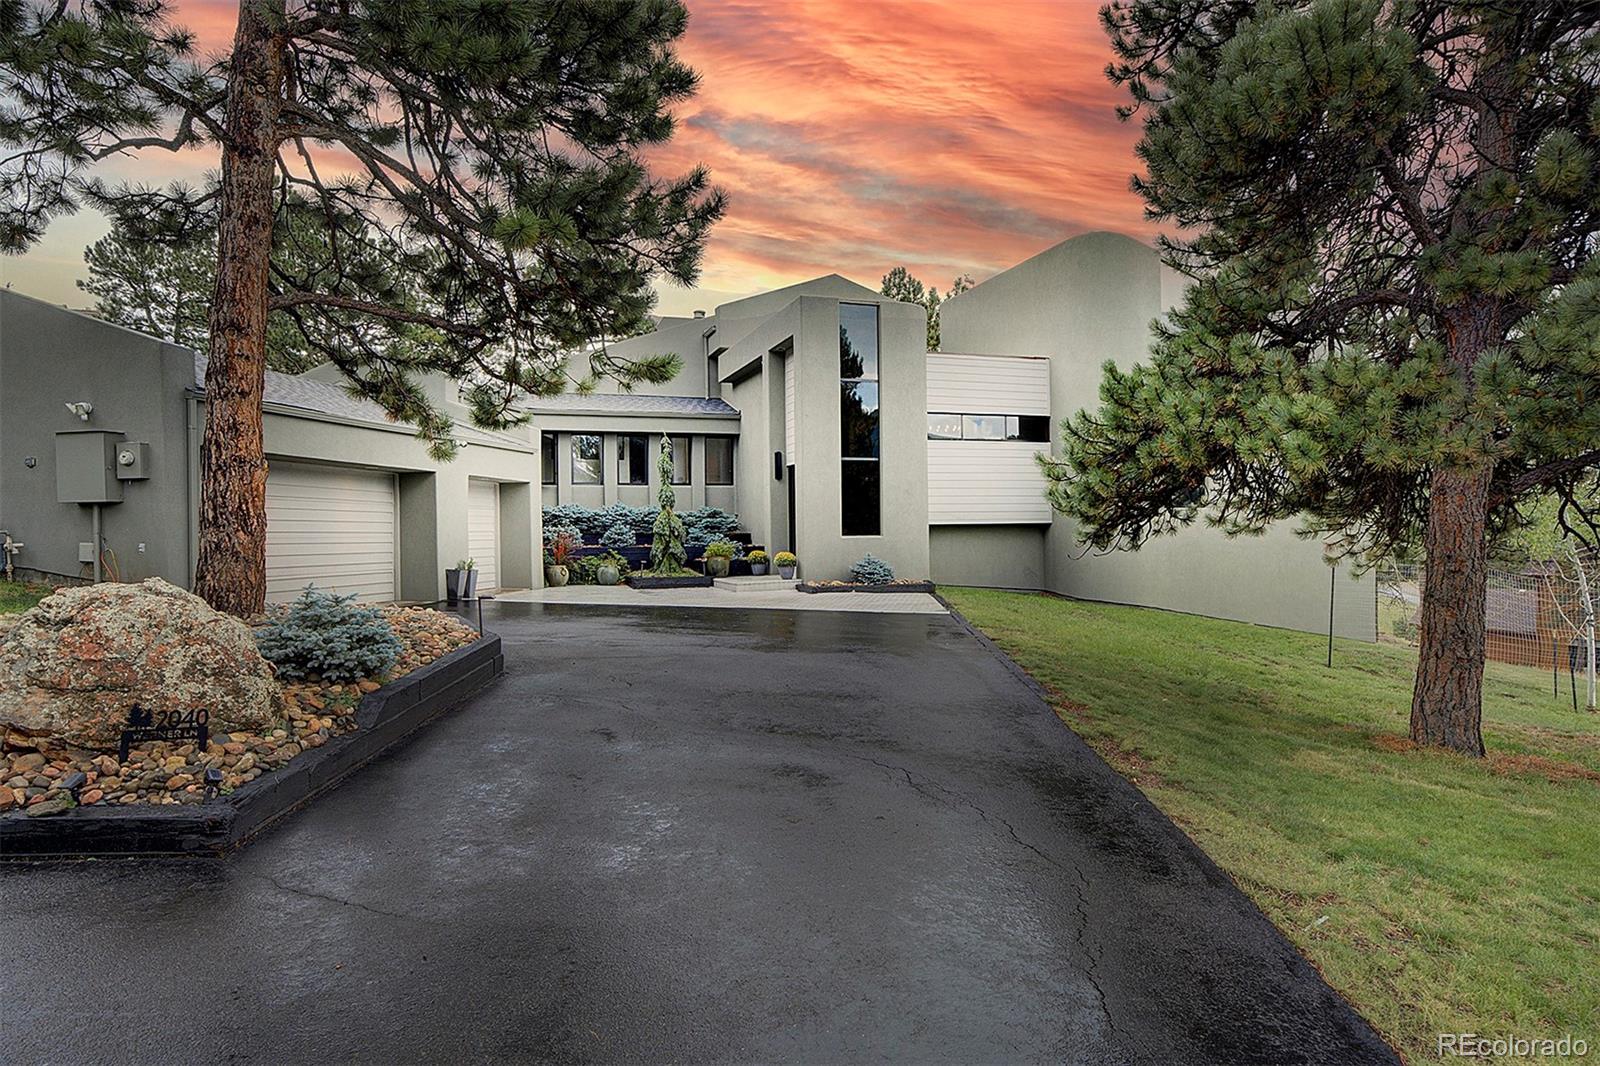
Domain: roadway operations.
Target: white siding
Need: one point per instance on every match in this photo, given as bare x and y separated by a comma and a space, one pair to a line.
332, 527
788, 408
483, 531
988, 384
985, 482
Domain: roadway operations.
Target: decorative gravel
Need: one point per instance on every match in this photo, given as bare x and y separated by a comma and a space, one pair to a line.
166, 773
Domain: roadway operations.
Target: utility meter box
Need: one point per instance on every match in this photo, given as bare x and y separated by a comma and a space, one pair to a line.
86, 466
133, 460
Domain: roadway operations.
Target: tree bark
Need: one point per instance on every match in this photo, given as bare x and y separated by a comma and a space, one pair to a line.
231, 570
1447, 702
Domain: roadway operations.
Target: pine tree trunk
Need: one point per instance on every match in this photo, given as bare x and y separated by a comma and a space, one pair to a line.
231, 571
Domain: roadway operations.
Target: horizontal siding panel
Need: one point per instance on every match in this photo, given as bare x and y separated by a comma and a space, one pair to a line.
330, 527
483, 531
988, 384
982, 482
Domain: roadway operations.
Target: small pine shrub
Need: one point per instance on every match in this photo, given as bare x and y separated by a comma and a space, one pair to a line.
872, 571
619, 536
328, 635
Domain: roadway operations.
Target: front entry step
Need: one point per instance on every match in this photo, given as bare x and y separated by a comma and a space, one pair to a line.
765, 583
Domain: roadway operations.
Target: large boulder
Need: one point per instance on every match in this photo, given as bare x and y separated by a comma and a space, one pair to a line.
71, 667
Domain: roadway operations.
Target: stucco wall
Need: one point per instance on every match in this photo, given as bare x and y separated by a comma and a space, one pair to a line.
1083, 302
50, 357
987, 556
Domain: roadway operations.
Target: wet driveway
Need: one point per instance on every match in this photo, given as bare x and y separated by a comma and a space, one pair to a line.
681, 835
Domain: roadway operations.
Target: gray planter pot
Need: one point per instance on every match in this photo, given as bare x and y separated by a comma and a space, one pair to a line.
758, 569
786, 572
717, 566
460, 584
555, 576
606, 574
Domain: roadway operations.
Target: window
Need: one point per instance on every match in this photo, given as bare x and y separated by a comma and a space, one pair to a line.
633, 459
547, 458
682, 455
1034, 428
586, 459
1028, 427
860, 513
719, 460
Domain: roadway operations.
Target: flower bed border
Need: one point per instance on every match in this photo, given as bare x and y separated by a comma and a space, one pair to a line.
214, 828
645, 582
903, 586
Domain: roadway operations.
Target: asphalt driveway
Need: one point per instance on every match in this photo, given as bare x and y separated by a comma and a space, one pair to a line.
679, 835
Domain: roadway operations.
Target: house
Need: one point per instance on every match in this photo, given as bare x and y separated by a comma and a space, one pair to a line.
813, 411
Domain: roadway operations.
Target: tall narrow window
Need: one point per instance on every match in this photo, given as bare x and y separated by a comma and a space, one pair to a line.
633, 459
859, 488
682, 456
586, 469
719, 460
547, 458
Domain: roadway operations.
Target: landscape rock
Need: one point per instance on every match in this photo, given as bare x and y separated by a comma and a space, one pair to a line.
73, 666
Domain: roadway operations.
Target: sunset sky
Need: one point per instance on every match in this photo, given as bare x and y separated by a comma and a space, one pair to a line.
948, 137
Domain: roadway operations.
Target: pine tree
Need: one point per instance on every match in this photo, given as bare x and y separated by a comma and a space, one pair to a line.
899, 284
1389, 214
163, 290
472, 171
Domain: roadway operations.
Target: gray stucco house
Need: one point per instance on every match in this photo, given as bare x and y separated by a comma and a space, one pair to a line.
814, 412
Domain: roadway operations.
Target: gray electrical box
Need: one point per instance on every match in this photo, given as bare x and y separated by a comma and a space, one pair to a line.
133, 460
86, 466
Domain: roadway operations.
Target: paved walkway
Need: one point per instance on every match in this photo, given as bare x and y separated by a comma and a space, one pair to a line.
686, 836
721, 595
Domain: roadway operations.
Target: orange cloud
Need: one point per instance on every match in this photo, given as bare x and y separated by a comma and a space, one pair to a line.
950, 137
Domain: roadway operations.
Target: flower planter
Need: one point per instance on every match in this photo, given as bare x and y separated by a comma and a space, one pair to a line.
460, 584
758, 569
607, 574
717, 565
787, 572
555, 576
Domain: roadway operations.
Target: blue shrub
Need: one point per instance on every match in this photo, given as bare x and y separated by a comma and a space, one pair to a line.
328, 635
619, 536
872, 571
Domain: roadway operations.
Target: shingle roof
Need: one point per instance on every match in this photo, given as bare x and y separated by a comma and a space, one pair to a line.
632, 403
323, 397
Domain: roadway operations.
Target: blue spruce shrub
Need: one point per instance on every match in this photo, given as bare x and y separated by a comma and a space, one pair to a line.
619, 536
872, 571
328, 635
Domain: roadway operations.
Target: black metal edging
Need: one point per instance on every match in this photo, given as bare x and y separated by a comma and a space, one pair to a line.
211, 829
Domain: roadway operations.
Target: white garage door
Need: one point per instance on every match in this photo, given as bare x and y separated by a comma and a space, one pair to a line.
483, 531
332, 527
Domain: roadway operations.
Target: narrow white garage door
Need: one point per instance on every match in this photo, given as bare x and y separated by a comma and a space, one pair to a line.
332, 527
483, 531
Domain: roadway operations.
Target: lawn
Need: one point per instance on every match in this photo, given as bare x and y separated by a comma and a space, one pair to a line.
20, 595
1437, 893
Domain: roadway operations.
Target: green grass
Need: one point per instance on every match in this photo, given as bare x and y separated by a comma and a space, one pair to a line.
1453, 894
20, 595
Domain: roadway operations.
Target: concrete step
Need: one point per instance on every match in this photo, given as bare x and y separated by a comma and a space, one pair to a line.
750, 583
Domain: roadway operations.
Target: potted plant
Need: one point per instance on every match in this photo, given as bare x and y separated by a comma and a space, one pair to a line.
609, 570
563, 549
758, 562
786, 563
461, 583
719, 556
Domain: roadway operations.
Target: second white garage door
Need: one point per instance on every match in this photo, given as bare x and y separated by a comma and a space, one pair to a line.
483, 531
332, 527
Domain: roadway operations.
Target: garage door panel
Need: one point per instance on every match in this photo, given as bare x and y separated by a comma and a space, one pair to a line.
483, 531
332, 527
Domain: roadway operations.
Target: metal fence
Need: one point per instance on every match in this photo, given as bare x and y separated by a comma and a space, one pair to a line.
1541, 616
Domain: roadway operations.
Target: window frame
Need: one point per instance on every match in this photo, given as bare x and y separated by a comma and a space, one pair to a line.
687, 440
550, 473
1010, 427
626, 461
729, 441
872, 375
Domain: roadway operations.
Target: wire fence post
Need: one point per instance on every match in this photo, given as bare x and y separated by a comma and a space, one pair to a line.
1333, 588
